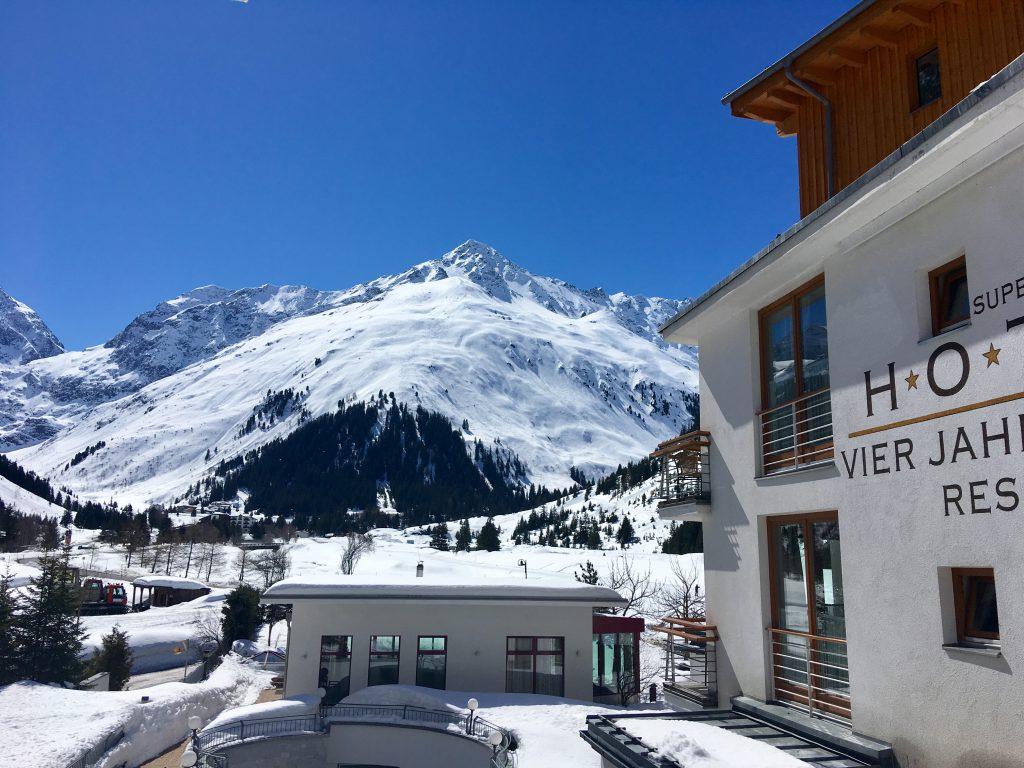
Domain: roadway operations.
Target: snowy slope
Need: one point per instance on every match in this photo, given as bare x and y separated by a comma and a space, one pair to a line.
23, 334
558, 375
26, 502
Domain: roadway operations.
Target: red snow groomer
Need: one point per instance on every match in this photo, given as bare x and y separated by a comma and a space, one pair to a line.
99, 598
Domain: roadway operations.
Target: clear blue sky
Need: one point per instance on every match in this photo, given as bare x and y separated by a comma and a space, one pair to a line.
150, 147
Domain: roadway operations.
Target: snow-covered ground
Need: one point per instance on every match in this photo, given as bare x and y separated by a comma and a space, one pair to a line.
47, 726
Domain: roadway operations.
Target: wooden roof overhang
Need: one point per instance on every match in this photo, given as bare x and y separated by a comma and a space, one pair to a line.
772, 98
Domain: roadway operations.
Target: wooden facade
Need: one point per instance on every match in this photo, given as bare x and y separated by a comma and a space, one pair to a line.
866, 67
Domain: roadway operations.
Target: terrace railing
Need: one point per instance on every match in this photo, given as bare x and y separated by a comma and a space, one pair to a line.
798, 433
93, 756
207, 744
691, 663
685, 469
811, 672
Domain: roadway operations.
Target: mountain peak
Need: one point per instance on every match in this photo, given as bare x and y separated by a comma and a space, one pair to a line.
23, 334
473, 253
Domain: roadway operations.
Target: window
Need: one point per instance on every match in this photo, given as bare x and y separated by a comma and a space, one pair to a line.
974, 600
535, 665
951, 302
431, 661
335, 665
796, 420
927, 78
615, 664
383, 660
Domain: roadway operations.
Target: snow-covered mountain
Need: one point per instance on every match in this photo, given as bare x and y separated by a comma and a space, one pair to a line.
559, 375
23, 335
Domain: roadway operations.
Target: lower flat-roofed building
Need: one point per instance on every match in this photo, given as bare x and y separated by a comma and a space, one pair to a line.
497, 635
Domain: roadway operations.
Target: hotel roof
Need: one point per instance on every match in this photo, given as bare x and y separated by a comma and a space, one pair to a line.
443, 588
1005, 83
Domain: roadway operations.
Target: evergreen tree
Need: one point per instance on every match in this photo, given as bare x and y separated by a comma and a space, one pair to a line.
464, 537
241, 615
593, 538
50, 630
10, 666
114, 657
439, 537
626, 533
488, 537
684, 539
587, 573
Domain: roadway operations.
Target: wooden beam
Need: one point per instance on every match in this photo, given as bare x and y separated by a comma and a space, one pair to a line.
787, 96
914, 15
768, 114
818, 75
788, 127
881, 37
850, 56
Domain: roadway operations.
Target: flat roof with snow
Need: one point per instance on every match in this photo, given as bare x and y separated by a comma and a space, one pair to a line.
171, 582
440, 588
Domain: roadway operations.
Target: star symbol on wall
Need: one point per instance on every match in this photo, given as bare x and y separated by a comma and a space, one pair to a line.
992, 355
912, 380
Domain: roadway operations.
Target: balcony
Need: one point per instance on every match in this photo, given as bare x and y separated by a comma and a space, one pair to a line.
798, 434
691, 665
685, 480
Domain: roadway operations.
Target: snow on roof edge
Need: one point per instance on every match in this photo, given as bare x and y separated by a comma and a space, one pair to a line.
427, 588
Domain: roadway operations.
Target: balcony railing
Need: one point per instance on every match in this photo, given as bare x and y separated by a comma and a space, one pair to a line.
691, 666
685, 469
811, 672
797, 434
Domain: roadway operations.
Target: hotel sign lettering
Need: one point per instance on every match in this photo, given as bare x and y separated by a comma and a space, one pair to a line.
947, 373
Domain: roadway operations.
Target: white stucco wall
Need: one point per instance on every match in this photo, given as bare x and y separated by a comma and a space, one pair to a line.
939, 708
476, 632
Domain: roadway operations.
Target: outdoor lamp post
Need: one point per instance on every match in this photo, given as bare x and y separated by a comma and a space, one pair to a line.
494, 740
522, 564
472, 704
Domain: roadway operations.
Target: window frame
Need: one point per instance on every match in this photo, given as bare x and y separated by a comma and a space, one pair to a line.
965, 601
914, 73
938, 297
534, 653
344, 654
792, 299
420, 652
397, 655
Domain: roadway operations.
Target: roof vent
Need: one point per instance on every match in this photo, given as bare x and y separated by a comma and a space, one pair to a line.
419, 569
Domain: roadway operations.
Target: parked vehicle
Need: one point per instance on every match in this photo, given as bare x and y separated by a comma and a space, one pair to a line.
102, 598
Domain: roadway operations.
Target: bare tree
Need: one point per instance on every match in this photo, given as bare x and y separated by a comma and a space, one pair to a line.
356, 545
633, 583
271, 564
681, 595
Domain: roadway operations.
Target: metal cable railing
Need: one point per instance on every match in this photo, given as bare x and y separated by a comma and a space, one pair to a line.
691, 665
811, 672
94, 754
798, 433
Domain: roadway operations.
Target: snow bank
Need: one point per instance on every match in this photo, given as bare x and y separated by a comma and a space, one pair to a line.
20, 573
698, 745
546, 727
48, 726
292, 706
156, 634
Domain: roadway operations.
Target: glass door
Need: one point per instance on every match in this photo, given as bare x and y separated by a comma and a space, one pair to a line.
808, 633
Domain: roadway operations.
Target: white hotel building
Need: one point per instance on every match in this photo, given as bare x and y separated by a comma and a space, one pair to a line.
860, 470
